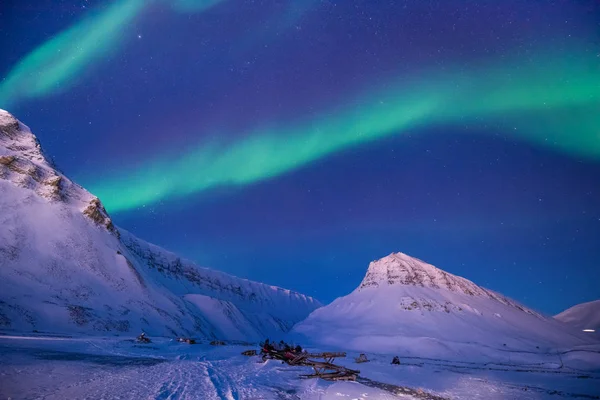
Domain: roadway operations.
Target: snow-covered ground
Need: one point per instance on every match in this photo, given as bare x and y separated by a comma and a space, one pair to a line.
582, 316
117, 368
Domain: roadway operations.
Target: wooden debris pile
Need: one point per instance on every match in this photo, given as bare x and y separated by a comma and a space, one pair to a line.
325, 369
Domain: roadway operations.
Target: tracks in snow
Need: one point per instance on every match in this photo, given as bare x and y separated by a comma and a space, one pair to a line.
193, 379
223, 384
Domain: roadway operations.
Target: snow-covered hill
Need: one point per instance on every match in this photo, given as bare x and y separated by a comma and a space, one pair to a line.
407, 306
582, 316
65, 268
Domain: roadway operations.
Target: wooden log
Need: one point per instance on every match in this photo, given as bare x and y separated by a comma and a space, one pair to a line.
332, 376
300, 358
327, 354
326, 365
322, 369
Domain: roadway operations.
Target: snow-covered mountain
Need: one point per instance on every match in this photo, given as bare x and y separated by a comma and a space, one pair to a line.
401, 269
65, 267
582, 316
408, 306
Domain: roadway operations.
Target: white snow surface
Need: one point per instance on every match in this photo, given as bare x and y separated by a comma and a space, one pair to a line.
582, 316
117, 368
65, 268
414, 309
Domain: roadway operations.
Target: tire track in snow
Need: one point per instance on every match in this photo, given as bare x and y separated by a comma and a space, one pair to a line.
171, 389
400, 390
224, 386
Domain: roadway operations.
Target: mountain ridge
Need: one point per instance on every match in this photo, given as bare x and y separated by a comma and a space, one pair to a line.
66, 268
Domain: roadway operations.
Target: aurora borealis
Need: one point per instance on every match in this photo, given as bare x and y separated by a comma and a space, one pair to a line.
56, 64
270, 138
272, 152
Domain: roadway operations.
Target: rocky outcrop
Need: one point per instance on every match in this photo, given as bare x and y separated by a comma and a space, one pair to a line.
23, 162
16, 137
9, 125
97, 213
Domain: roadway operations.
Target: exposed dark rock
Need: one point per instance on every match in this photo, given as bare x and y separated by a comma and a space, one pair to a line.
9, 127
96, 212
80, 315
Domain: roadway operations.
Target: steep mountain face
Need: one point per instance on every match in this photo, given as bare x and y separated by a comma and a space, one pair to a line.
65, 268
23, 163
401, 269
407, 306
582, 316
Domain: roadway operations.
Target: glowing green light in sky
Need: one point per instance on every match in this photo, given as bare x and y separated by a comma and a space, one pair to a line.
57, 64
553, 100
194, 5
53, 66
550, 101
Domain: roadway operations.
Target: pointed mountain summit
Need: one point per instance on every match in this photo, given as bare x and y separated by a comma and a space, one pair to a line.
16, 137
402, 269
65, 267
407, 306
23, 162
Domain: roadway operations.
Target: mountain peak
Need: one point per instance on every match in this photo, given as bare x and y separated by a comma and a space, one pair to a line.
17, 139
408, 306
23, 162
402, 269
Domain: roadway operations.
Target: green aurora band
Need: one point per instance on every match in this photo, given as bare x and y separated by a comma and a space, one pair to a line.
54, 66
57, 64
553, 101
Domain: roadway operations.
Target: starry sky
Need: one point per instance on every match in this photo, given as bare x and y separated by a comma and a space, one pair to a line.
293, 142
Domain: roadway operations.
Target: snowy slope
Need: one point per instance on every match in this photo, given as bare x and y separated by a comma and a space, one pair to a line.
408, 306
64, 266
582, 316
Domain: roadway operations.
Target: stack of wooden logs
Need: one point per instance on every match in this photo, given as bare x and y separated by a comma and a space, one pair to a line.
325, 369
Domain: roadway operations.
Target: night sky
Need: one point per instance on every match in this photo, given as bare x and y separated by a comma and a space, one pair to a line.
294, 141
